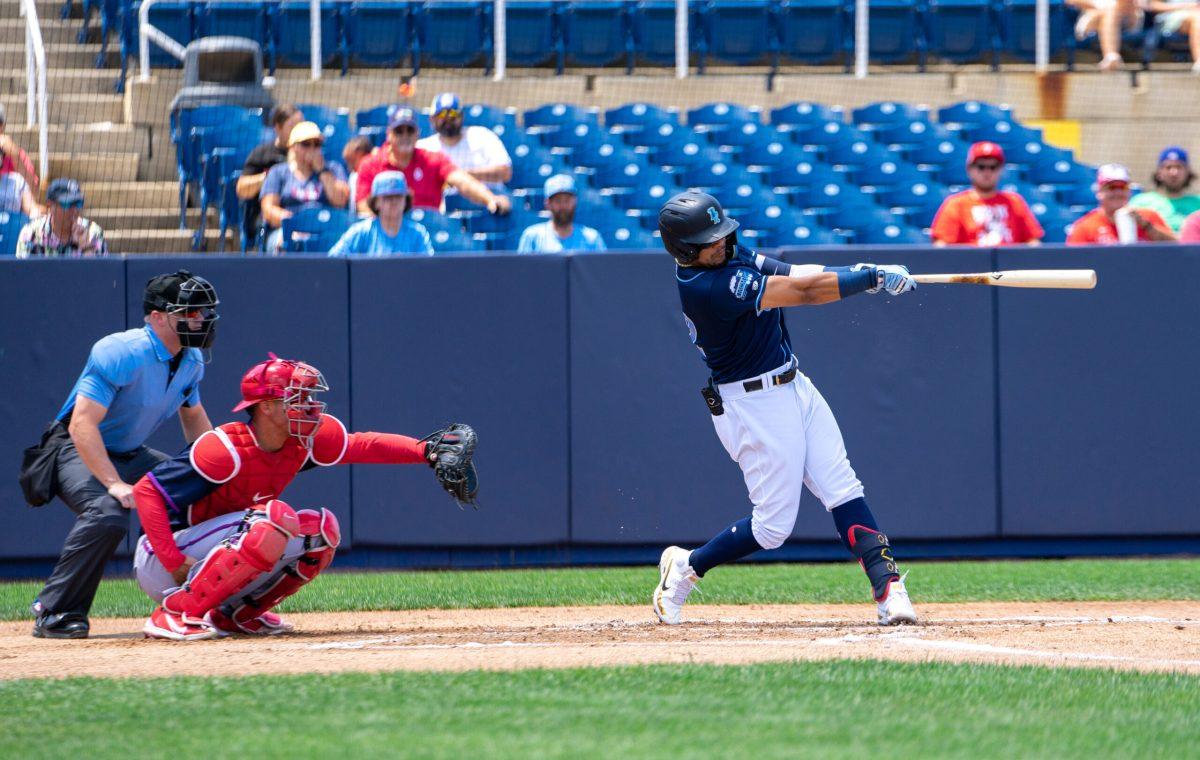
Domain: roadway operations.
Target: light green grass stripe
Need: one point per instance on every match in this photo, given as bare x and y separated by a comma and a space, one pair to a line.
827, 709
1069, 580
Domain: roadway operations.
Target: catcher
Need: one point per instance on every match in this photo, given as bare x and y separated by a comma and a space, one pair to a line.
220, 548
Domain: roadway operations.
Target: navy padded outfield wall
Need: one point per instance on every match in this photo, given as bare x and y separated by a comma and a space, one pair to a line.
982, 414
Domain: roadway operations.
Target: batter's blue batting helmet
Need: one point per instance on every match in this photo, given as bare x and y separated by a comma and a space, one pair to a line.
691, 221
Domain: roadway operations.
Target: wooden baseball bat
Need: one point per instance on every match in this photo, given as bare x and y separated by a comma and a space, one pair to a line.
1078, 279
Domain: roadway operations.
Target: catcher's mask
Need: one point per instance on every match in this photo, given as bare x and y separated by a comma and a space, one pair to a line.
690, 222
190, 297
292, 382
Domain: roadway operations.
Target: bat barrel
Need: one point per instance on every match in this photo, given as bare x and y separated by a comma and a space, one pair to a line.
1076, 279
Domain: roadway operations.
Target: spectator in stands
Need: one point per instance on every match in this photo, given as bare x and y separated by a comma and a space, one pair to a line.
475, 150
984, 215
62, 231
1108, 19
284, 119
14, 159
1190, 231
1099, 226
357, 149
303, 180
427, 173
560, 233
1179, 17
390, 232
15, 195
1171, 179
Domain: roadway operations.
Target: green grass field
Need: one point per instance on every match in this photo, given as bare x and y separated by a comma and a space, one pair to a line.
823, 709
1066, 580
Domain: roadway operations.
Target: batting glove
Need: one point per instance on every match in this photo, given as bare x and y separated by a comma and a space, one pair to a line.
895, 278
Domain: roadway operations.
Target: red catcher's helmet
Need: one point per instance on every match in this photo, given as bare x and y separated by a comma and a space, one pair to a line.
293, 383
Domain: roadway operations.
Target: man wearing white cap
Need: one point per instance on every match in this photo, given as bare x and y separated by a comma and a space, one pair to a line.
389, 232
560, 233
476, 150
1113, 222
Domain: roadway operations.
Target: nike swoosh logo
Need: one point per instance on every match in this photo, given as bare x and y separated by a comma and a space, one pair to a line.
664, 578
259, 497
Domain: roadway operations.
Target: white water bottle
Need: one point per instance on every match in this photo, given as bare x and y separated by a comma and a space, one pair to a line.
1127, 227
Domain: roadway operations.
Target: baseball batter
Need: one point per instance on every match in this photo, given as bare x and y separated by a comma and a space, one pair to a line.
769, 416
220, 548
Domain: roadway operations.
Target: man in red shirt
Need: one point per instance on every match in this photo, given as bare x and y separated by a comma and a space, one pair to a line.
1099, 226
427, 172
985, 216
14, 159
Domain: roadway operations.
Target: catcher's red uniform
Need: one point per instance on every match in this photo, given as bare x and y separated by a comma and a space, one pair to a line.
225, 471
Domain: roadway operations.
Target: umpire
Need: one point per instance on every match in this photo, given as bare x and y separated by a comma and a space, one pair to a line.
95, 449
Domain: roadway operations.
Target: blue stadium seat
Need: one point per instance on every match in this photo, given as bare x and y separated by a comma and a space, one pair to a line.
434, 221
771, 215
183, 132
496, 118
1031, 193
829, 137
596, 155
888, 174
556, 115
175, 19
973, 113
314, 230
688, 153
1061, 171
1079, 194
534, 170
857, 216
896, 33
660, 135
773, 153
939, 153
334, 124
628, 174
380, 33
890, 233
222, 159
1018, 25
805, 173
455, 33
583, 135
232, 18
10, 229
647, 197
953, 173
917, 202
740, 32
890, 113
832, 195
858, 154
379, 116
625, 234
717, 174
805, 114
1004, 133
801, 234
910, 136
653, 26
533, 34
717, 115
491, 224
597, 33
742, 136
1055, 220
813, 32
639, 115
450, 241
962, 31
742, 198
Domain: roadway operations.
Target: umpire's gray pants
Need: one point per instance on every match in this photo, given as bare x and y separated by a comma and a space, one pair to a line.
100, 526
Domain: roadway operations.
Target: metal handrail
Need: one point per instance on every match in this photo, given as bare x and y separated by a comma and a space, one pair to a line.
35, 83
146, 33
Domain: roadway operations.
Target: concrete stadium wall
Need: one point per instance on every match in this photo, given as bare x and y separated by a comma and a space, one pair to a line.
987, 417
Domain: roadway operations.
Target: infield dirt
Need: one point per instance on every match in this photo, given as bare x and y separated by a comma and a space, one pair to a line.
1150, 636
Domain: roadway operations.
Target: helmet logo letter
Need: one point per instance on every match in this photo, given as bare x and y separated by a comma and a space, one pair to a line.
714, 215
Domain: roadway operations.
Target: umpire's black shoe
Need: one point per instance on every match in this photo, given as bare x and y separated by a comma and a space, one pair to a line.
65, 625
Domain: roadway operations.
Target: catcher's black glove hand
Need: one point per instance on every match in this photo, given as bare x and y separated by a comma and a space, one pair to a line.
449, 453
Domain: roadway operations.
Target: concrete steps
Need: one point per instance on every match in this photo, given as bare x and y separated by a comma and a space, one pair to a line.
149, 195
84, 138
54, 32
144, 218
97, 167
71, 108
58, 56
47, 10
87, 81
161, 241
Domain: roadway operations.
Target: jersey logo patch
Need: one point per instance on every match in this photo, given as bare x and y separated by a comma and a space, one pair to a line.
742, 283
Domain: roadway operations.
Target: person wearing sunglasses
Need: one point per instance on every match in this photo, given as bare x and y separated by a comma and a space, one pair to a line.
305, 180
427, 173
985, 215
475, 149
1103, 224
62, 231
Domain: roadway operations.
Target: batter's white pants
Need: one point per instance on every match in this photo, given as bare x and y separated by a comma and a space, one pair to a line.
784, 437
196, 542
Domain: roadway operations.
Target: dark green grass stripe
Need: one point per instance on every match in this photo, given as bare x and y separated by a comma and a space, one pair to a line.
825, 709
1068, 580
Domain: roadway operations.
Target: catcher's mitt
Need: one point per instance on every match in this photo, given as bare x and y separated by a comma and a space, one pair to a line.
449, 453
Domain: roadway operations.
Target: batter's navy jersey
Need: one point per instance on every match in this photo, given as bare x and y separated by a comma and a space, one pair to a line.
723, 310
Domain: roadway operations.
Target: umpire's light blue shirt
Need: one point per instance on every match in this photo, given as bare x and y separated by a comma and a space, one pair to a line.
127, 373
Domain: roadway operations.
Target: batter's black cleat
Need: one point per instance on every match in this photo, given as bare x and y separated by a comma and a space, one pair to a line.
65, 625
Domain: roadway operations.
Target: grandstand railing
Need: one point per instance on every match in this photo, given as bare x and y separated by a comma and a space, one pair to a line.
147, 33
36, 97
